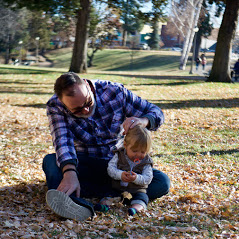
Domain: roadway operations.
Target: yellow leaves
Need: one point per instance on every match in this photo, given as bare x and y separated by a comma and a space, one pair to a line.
23, 136
69, 224
5, 170
231, 182
170, 217
197, 148
112, 200
189, 198
127, 195
233, 227
164, 144
226, 214
172, 190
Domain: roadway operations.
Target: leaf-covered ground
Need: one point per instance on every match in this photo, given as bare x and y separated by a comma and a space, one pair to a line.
197, 147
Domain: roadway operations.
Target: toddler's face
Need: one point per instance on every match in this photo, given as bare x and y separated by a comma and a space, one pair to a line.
135, 153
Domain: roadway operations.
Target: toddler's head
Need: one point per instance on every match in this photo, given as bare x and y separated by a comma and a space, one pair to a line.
137, 142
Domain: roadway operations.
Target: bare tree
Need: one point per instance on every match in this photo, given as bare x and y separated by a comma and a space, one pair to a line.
185, 17
10, 30
221, 64
102, 30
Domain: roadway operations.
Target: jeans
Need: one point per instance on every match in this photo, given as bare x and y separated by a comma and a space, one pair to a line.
140, 198
94, 179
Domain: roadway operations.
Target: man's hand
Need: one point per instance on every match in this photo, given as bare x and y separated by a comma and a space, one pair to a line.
69, 183
130, 122
128, 176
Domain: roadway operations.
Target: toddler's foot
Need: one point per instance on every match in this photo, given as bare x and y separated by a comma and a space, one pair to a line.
101, 208
132, 211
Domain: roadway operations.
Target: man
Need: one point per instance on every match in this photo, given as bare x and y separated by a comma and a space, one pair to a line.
85, 120
236, 69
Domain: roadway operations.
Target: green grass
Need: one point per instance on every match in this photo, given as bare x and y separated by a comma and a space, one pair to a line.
124, 60
112, 60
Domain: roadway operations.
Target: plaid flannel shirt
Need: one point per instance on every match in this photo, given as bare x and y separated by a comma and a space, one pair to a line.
97, 134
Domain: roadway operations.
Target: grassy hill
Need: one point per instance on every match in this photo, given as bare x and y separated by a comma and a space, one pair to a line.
125, 60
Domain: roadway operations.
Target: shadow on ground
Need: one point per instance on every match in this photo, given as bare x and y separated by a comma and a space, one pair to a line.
24, 91
42, 106
23, 82
9, 70
212, 152
182, 104
25, 198
220, 103
156, 77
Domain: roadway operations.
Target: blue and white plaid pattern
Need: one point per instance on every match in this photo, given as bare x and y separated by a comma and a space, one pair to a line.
98, 133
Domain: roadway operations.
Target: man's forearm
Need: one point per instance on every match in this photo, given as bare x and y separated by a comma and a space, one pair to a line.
145, 122
68, 166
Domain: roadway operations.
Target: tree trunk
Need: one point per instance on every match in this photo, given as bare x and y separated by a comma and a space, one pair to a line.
7, 56
198, 45
124, 38
79, 56
193, 21
221, 65
91, 56
186, 43
155, 35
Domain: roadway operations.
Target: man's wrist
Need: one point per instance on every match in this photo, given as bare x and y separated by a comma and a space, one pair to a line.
68, 170
146, 122
69, 167
151, 122
70, 162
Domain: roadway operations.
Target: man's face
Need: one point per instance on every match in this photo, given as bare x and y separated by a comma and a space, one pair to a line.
82, 104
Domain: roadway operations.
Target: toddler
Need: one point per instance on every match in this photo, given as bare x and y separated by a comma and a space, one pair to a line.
131, 169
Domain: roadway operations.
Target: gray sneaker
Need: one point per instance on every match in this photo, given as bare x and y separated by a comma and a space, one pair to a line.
64, 206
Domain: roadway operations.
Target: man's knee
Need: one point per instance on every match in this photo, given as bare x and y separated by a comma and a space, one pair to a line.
159, 186
52, 171
48, 161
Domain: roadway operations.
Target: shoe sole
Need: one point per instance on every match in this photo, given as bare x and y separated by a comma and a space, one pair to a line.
64, 206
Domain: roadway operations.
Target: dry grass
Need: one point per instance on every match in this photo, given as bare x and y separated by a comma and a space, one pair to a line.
197, 147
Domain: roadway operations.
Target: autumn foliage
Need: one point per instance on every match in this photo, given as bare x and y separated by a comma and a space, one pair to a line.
197, 147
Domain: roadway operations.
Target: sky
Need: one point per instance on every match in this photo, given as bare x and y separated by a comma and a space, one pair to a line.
216, 20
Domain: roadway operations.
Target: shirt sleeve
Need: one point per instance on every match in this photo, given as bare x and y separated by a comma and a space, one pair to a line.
112, 169
138, 107
146, 177
63, 139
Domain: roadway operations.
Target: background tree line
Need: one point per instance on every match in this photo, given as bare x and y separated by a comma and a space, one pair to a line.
86, 17
80, 20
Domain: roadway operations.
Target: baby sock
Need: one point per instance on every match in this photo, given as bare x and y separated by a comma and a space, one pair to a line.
132, 211
101, 208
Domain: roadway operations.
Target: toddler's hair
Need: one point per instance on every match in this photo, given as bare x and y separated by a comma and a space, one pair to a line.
139, 138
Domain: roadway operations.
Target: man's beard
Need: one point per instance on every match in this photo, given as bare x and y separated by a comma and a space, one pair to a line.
93, 107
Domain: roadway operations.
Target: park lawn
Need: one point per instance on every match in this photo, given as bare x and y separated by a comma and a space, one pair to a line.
197, 147
140, 61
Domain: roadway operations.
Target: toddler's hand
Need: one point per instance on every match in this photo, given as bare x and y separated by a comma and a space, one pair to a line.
132, 176
124, 176
128, 176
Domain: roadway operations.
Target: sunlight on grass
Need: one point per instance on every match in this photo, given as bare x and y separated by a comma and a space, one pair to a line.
124, 60
197, 147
